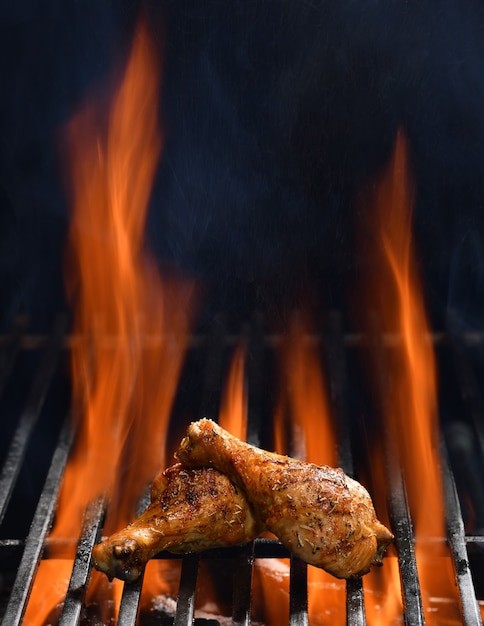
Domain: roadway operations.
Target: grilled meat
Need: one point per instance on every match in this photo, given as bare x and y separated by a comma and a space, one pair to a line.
320, 514
191, 510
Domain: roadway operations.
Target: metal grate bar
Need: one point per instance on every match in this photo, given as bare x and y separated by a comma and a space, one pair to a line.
38, 531
456, 535
469, 387
185, 605
10, 351
339, 390
271, 340
241, 600
404, 541
298, 593
213, 368
130, 600
30, 414
257, 391
264, 548
82, 564
355, 601
399, 512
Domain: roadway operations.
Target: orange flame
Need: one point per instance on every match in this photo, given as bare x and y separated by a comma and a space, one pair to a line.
233, 408
305, 397
133, 325
412, 415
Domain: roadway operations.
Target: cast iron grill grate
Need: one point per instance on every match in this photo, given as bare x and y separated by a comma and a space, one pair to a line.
20, 556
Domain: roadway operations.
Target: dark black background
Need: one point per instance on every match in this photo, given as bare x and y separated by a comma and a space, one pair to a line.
275, 114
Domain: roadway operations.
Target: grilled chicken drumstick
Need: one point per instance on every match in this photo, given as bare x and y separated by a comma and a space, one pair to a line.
320, 514
190, 510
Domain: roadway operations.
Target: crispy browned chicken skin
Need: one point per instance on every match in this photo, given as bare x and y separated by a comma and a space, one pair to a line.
190, 510
320, 514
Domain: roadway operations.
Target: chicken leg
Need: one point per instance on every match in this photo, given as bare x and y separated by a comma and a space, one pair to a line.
320, 514
191, 510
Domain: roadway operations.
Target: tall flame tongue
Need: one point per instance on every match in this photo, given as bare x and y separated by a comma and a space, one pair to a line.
412, 415
133, 325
